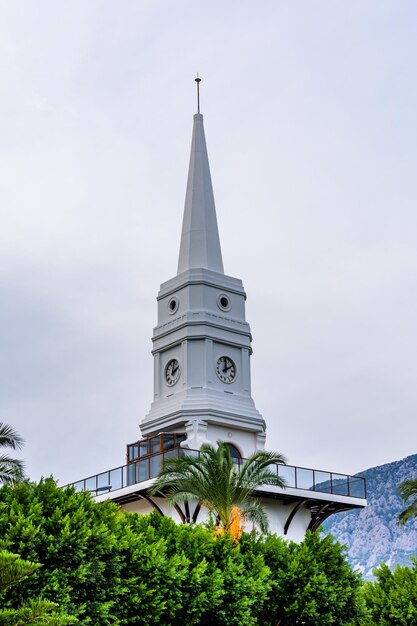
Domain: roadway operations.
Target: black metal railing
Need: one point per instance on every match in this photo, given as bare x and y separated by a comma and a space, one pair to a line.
148, 467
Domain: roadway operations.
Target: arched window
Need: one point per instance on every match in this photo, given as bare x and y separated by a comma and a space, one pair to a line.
236, 456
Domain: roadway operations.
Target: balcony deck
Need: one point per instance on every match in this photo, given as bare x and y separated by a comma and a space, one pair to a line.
298, 480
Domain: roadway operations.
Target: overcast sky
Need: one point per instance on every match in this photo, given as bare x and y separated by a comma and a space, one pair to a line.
310, 117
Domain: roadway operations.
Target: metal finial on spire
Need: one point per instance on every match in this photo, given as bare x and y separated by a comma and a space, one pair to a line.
198, 81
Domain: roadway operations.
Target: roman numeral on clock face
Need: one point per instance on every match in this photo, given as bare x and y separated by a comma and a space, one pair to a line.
226, 369
172, 372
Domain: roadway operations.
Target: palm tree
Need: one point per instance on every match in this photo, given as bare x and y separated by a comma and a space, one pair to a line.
213, 480
11, 470
408, 489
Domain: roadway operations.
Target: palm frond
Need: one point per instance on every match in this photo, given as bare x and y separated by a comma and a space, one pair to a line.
407, 490
409, 511
213, 479
261, 460
9, 438
255, 512
11, 470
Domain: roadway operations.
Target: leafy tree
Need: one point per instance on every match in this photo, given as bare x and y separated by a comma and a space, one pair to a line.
75, 540
191, 579
313, 583
41, 612
108, 567
408, 491
37, 612
13, 569
392, 599
11, 470
213, 480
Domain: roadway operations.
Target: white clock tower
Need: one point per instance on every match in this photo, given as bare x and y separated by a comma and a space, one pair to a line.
202, 341
202, 390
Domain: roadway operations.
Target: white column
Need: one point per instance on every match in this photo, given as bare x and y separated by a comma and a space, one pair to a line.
156, 376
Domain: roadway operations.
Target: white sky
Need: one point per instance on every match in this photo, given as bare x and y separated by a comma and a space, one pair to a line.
310, 117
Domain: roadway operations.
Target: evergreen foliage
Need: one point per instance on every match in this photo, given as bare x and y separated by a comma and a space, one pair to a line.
13, 569
75, 540
392, 599
220, 584
37, 611
312, 581
107, 567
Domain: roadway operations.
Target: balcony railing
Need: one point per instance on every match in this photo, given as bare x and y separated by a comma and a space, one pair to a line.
149, 467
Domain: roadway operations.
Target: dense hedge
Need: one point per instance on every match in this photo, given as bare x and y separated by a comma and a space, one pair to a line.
106, 567
391, 600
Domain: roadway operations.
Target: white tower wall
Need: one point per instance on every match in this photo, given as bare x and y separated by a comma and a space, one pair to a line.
201, 325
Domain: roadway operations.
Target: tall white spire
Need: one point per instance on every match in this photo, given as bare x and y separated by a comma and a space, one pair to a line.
200, 243
201, 326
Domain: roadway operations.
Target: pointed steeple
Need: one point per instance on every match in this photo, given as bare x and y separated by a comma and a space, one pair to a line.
201, 324
200, 243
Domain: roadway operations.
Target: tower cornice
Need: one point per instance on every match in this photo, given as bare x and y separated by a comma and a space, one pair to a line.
201, 276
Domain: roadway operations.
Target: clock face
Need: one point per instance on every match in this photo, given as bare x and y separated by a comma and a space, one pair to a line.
172, 372
226, 369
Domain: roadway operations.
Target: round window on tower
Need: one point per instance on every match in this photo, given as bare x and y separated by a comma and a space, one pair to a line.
173, 305
223, 302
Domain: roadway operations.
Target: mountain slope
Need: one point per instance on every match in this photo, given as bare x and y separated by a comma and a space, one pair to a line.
372, 535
